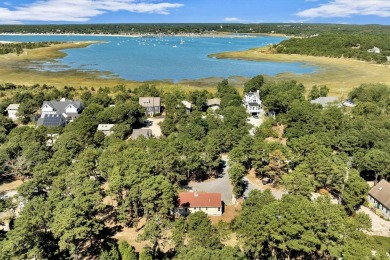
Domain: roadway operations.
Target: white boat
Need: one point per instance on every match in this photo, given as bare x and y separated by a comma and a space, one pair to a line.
174, 46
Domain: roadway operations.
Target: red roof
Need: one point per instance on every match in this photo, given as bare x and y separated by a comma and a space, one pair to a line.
199, 199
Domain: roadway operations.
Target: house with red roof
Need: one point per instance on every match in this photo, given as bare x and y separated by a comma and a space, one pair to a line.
191, 202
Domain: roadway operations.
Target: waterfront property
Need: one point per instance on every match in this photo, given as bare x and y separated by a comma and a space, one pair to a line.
252, 102
12, 109
151, 104
106, 129
379, 197
191, 202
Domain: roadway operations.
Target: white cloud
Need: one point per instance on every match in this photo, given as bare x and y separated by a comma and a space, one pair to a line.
79, 10
232, 19
347, 8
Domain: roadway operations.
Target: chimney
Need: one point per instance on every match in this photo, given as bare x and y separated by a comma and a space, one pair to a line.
195, 194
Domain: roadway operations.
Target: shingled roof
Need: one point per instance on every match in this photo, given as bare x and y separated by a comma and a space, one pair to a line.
381, 192
200, 199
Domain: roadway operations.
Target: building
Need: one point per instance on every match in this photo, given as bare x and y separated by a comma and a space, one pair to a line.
214, 103
379, 197
388, 58
187, 105
191, 202
106, 129
147, 133
326, 101
152, 105
374, 50
252, 102
12, 110
58, 113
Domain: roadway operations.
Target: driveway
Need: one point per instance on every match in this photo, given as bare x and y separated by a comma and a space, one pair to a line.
221, 185
380, 227
154, 125
255, 122
255, 184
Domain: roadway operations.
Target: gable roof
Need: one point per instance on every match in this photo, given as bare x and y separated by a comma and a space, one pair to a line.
381, 192
13, 107
60, 106
150, 101
138, 132
325, 101
199, 199
214, 102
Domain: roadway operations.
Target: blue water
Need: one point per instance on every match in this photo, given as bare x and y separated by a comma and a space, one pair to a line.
165, 58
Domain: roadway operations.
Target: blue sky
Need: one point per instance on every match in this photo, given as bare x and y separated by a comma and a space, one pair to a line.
194, 11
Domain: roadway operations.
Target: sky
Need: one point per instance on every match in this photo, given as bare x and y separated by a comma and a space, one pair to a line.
194, 11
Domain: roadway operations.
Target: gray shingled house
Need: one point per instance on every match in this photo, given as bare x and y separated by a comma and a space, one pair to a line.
152, 105
379, 196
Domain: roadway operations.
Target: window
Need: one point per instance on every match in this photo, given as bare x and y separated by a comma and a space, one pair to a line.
194, 208
219, 209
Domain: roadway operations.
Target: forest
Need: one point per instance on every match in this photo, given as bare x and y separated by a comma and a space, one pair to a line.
296, 29
334, 45
18, 48
331, 150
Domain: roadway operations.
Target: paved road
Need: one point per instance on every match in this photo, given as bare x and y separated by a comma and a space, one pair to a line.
221, 184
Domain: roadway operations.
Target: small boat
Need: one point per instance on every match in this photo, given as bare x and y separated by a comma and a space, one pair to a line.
174, 46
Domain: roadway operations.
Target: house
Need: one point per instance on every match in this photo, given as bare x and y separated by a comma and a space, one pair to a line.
12, 110
374, 50
106, 129
152, 105
187, 105
349, 103
214, 103
191, 202
58, 113
147, 133
325, 101
52, 121
379, 196
388, 58
252, 102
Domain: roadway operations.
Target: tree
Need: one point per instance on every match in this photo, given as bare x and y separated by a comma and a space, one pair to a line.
154, 232
354, 192
277, 166
324, 90
254, 84
236, 174
199, 224
126, 251
314, 93
299, 183
378, 162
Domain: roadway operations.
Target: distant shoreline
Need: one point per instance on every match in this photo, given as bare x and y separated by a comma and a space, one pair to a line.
216, 35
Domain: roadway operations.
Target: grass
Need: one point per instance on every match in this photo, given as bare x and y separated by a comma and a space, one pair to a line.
340, 75
379, 243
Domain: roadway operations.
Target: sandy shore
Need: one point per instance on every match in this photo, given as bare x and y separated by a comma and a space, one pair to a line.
192, 35
5, 42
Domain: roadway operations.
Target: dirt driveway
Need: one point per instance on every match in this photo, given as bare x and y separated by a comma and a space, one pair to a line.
154, 125
380, 227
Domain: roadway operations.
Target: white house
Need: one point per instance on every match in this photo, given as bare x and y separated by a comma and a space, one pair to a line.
252, 102
106, 129
187, 105
374, 50
191, 202
56, 113
379, 197
388, 58
12, 110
